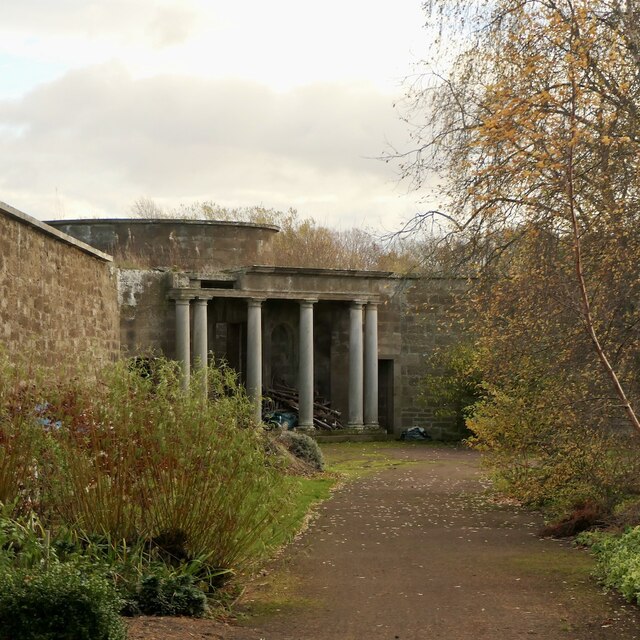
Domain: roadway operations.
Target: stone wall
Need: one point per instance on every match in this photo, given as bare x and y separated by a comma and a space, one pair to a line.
147, 317
58, 299
424, 327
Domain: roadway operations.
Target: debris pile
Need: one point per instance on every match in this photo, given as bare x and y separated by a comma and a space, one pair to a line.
284, 398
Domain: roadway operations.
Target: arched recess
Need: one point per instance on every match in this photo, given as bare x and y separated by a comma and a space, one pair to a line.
283, 355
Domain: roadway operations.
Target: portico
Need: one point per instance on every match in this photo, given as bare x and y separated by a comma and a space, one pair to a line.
271, 307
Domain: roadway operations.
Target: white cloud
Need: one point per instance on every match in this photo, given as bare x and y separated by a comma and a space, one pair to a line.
280, 103
281, 43
121, 19
97, 139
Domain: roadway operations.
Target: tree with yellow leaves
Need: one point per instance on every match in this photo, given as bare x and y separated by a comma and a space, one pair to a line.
535, 127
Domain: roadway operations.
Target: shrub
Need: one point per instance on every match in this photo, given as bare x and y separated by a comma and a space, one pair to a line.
540, 452
455, 386
170, 595
133, 477
618, 560
141, 459
58, 602
21, 435
304, 447
142, 574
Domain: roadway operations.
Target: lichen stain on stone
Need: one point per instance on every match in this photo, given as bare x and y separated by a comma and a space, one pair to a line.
130, 284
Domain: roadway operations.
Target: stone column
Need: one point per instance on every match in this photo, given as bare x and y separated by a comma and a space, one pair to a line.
254, 355
305, 372
371, 366
200, 348
356, 365
183, 340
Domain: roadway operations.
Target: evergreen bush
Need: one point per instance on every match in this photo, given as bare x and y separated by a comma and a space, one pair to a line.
58, 602
170, 596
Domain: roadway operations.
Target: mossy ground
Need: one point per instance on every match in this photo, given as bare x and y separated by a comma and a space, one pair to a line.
354, 460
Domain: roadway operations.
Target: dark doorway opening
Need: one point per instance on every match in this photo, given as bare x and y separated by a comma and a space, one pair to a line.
385, 395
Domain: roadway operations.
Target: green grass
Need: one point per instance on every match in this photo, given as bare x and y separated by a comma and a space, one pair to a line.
561, 564
304, 493
354, 460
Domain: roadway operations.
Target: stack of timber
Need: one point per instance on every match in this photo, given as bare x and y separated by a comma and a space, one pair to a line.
286, 398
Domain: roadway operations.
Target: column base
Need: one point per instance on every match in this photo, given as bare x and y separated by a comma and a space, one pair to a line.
372, 426
305, 428
355, 426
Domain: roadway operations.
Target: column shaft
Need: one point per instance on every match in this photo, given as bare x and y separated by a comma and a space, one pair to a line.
200, 347
254, 356
305, 373
183, 340
371, 366
356, 365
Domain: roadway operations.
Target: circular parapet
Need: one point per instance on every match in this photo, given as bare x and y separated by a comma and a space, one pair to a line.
188, 245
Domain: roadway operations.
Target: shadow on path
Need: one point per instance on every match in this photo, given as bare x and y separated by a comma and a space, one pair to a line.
417, 551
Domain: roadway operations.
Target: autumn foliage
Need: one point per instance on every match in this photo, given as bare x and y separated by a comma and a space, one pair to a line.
534, 126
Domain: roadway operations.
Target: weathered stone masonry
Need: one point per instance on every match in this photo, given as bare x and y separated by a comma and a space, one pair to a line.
58, 299
191, 290
361, 339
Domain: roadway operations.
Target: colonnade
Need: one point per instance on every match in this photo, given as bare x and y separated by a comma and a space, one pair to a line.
363, 357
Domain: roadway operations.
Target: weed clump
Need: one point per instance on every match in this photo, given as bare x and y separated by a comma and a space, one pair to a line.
304, 447
618, 560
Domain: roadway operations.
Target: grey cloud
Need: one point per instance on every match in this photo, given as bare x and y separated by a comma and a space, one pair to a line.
104, 137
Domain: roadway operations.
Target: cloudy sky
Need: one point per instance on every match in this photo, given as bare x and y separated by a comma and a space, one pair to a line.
283, 104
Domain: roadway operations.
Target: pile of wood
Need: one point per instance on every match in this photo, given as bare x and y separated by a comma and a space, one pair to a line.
286, 399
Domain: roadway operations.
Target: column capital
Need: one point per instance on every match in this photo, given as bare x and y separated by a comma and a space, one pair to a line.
308, 302
357, 304
372, 304
255, 302
202, 301
182, 301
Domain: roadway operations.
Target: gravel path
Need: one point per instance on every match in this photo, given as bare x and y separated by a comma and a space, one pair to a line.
416, 551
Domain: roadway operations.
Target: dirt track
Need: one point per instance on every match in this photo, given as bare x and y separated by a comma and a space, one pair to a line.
413, 552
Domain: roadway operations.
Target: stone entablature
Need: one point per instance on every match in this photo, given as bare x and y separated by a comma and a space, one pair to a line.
286, 283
